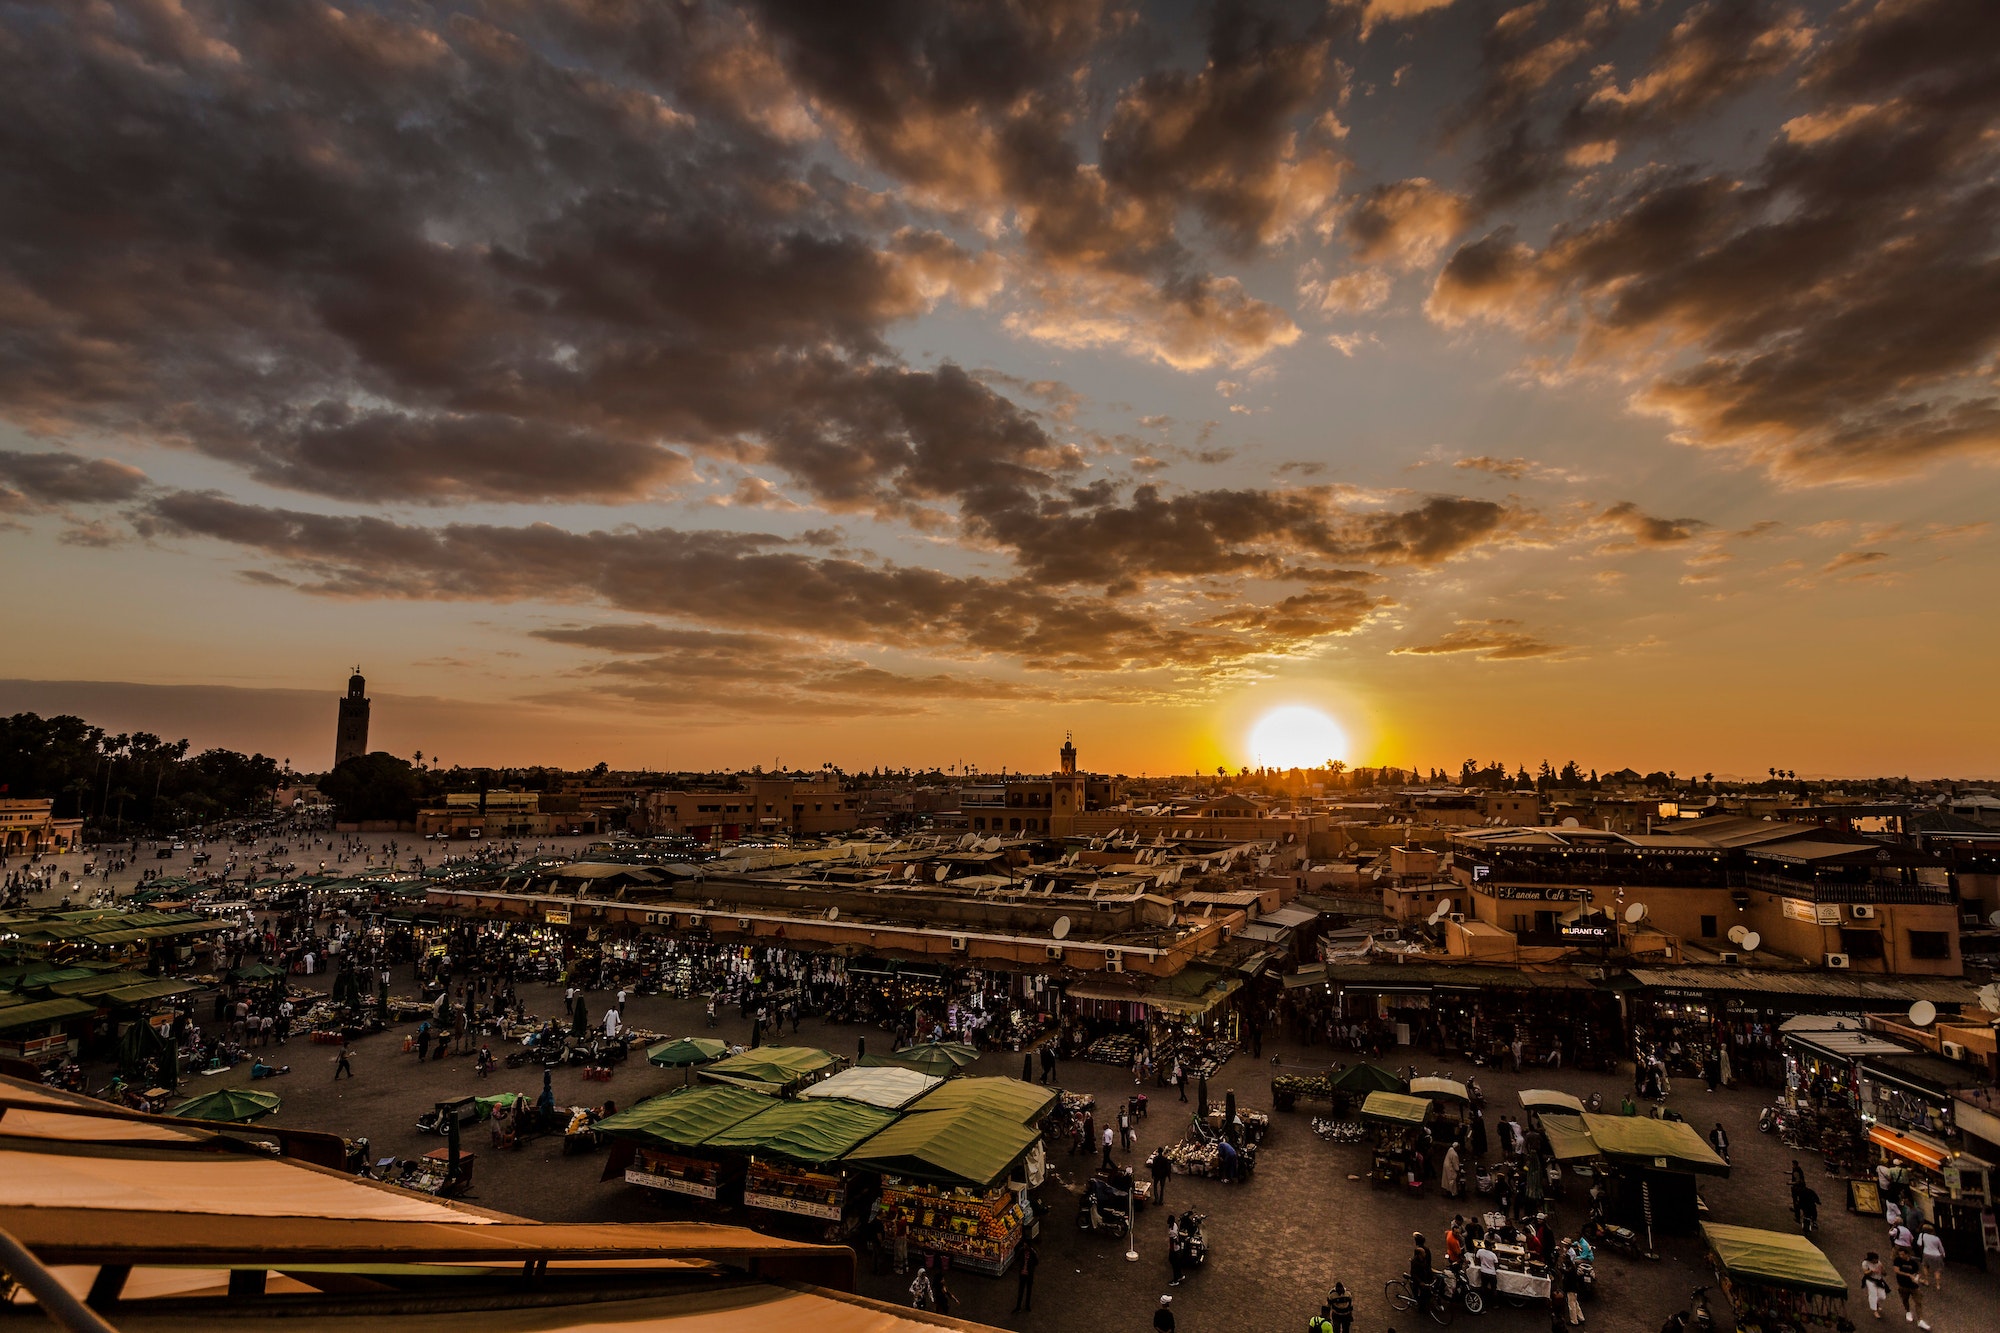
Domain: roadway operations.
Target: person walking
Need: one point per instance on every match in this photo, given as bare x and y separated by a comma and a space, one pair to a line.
1109, 1139
1873, 1284
1718, 1139
1930, 1253
1163, 1317
1024, 1281
1909, 1291
1340, 1308
1125, 1128
1163, 1169
921, 1295
899, 1240
341, 1066
1180, 1078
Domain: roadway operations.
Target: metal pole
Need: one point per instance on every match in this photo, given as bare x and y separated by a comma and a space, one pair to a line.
62, 1307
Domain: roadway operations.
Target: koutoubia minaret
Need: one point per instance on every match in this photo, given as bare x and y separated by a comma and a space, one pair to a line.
350, 739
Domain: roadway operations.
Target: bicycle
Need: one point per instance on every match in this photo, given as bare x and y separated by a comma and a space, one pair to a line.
1402, 1296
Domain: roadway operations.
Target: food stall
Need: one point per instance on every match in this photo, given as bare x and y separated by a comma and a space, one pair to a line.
950, 1172
1950, 1189
1396, 1117
1653, 1165
658, 1143
1774, 1280
794, 1152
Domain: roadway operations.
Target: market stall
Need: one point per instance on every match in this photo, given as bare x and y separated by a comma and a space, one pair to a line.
794, 1151
1396, 1117
1774, 1280
1341, 1087
658, 1143
1654, 1164
948, 1171
890, 1087
1939, 1184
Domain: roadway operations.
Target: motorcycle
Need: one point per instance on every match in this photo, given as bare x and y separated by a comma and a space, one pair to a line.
1700, 1318
1769, 1120
1603, 1235
1103, 1210
1461, 1284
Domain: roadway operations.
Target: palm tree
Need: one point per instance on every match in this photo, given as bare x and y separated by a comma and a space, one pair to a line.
121, 796
78, 788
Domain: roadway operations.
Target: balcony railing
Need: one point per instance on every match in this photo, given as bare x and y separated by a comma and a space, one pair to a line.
1892, 892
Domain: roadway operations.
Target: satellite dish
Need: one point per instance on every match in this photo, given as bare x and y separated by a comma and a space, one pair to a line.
1635, 914
910, 870
942, 871
1061, 928
1989, 997
1736, 934
1444, 907
1994, 919
1751, 941
1923, 1013
833, 914
1569, 821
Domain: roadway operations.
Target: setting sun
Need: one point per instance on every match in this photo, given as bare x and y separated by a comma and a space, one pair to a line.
1296, 737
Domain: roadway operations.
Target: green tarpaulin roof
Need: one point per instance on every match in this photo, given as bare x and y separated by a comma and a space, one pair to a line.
969, 1145
687, 1051
1773, 1258
812, 1132
42, 1011
140, 991
1645, 1141
1365, 1078
1568, 1140
1396, 1108
230, 1104
1026, 1102
684, 1118
772, 1066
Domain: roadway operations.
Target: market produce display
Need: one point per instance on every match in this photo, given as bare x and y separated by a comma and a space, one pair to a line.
980, 1231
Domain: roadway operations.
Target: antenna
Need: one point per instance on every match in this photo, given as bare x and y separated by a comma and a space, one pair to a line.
1923, 1013
1061, 928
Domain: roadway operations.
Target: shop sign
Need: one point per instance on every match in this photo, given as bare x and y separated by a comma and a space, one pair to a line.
1541, 893
674, 1183
1588, 932
1818, 914
555, 917
778, 1203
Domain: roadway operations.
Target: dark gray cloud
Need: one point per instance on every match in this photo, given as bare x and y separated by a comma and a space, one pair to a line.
1834, 310
34, 481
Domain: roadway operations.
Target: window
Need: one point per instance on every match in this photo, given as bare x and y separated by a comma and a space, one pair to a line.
1930, 944
1708, 927
1861, 943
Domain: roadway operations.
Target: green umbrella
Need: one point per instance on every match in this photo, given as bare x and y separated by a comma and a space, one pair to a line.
687, 1051
235, 1105
940, 1059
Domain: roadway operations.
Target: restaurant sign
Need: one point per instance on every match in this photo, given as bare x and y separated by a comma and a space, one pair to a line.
1598, 931
1540, 893
556, 917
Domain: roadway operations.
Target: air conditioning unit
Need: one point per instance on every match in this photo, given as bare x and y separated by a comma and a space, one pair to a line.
1458, 918
1838, 961
1728, 959
1055, 953
1863, 911
1114, 961
958, 943
743, 924
1952, 1050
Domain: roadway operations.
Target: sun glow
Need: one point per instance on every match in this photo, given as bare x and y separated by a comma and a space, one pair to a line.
1296, 737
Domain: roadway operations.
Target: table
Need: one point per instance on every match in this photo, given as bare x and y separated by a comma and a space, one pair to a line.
1513, 1282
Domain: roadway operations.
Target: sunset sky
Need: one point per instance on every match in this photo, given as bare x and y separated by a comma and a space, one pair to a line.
687, 384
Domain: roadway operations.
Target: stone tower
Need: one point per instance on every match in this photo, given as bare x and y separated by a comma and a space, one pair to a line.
350, 739
1068, 757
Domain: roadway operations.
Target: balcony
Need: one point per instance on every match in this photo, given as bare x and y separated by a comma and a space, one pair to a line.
1890, 892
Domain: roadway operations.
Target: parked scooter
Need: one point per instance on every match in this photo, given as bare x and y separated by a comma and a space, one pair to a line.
1102, 1210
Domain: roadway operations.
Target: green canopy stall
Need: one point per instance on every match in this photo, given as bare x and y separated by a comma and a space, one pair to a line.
795, 1155
1775, 1280
1654, 1167
657, 1143
773, 1069
939, 1059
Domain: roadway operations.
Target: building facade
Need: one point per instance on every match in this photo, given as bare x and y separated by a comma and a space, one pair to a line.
28, 827
350, 737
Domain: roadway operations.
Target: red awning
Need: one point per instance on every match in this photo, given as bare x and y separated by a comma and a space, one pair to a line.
1924, 1152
